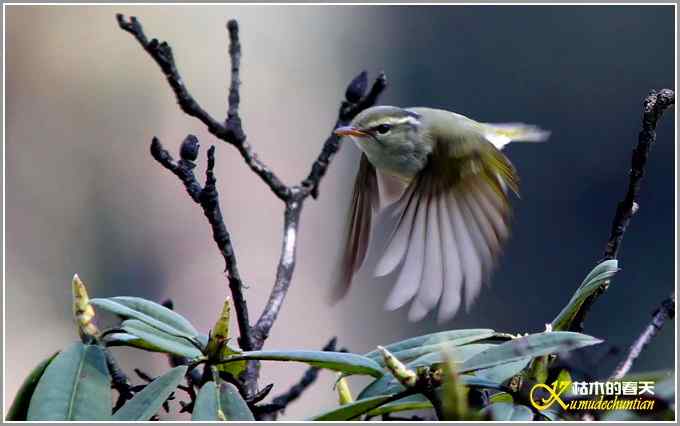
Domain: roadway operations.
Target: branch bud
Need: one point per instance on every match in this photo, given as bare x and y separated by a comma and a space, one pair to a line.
219, 335
405, 376
83, 312
344, 393
454, 394
189, 149
357, 88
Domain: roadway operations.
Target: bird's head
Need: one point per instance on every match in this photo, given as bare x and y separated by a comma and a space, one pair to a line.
382, 127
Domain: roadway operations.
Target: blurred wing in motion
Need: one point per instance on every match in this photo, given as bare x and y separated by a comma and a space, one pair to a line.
364, 206
453, 219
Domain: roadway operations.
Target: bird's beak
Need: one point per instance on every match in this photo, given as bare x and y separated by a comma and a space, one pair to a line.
349, 131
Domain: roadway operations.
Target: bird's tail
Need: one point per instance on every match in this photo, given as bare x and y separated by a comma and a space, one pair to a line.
502, 134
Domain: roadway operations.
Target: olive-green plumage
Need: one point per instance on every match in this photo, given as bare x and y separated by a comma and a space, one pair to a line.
444, 177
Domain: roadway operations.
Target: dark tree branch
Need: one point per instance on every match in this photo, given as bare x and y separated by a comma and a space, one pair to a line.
665, 312
119, 381
207, 197
654, 106
232, 132
282, 401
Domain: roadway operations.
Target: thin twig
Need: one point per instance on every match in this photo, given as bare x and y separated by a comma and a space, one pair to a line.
665, 312
654, 106
119, 381
208, 198
232, 132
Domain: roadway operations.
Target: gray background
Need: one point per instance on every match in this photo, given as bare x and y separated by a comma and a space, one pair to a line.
83, 195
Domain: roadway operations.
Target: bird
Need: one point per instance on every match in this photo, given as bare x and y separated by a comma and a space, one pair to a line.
443, 179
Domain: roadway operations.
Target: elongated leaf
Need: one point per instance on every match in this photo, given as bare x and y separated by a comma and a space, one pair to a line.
509, 412
501, 397
126, 339
604, 271
393, 387
413, 402
452, 337
353, 409
337, 361
19, 408
152, 313
75, 386
387, 384
147, 402
233, 405
160, 340
207, 406
225, 403
532, 345
502, 372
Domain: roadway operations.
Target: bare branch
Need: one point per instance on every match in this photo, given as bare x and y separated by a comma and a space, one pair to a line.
207, 197
665, 312
119, 381
654, 106
231, 133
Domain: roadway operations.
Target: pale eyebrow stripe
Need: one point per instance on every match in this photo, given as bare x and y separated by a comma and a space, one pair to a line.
392, 121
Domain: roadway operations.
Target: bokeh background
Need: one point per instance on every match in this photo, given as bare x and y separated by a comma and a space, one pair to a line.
84, 195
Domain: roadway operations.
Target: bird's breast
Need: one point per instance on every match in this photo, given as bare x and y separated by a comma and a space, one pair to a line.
403, 160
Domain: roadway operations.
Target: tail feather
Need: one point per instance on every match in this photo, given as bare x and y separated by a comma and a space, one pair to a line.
502, 134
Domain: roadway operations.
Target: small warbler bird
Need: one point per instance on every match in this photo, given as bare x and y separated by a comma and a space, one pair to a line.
444, 179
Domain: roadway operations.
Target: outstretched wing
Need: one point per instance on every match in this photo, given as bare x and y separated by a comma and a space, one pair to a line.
453, 219
364, 205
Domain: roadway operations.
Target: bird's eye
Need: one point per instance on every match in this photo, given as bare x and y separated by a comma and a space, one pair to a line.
383, 128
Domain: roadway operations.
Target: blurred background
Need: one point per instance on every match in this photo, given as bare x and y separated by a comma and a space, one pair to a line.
83, 101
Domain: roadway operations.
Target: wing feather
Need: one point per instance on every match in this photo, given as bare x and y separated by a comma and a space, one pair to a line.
399, 239
453, 220
431, 283
362, 209
411, 272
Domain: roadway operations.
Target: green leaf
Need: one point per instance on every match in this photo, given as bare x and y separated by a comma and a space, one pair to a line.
207, 406
337, 361
604, 271
75, 386
509, 412
19, 408
391, 386
387, 384
222, 404
233, 368
499, 397
152, 313
160, 340
532, 345
126, 339
451, 337
502, 372
413, 402
233, 405
353, 409
147, 402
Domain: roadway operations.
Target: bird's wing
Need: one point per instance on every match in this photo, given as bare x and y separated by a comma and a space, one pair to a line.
364, 205
453, 219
